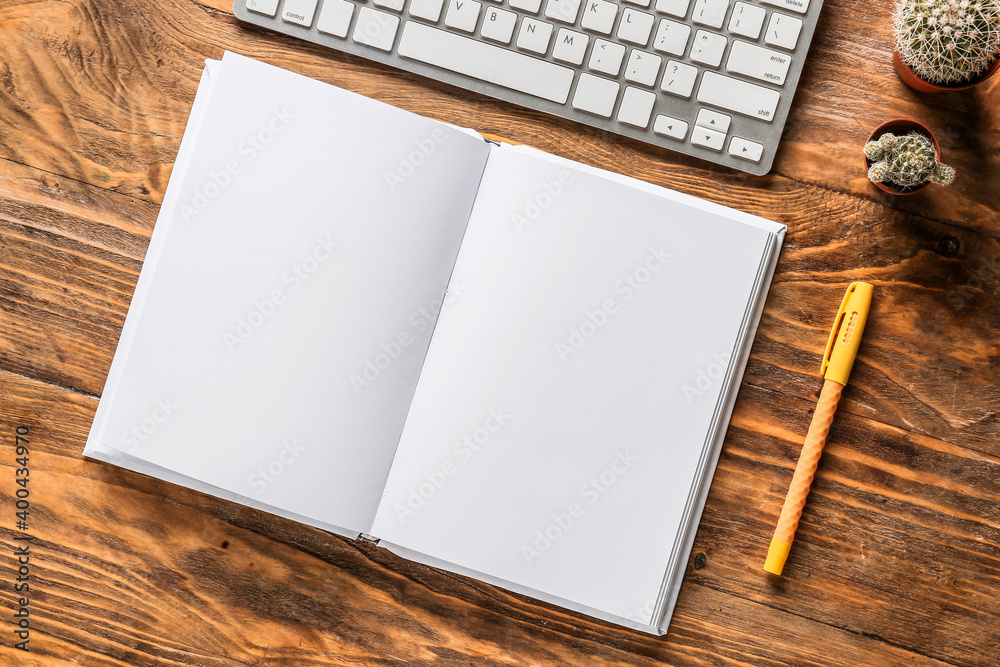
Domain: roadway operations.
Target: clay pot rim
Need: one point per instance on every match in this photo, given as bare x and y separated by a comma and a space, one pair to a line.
908, 124
921, 85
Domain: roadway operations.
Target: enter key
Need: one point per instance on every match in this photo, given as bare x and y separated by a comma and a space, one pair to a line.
758, 62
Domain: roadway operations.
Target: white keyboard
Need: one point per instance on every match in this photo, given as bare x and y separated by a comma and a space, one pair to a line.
709, 78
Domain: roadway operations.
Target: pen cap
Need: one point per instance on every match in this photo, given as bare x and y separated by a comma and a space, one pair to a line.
845, 337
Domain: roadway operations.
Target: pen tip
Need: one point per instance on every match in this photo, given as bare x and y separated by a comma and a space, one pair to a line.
777, 553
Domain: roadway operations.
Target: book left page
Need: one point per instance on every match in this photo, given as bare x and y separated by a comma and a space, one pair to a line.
286, 302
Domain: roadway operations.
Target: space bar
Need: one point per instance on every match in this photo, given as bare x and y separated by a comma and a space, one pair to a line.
485, 62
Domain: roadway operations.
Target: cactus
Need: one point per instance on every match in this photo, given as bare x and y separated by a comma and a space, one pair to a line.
907, 161
948, 42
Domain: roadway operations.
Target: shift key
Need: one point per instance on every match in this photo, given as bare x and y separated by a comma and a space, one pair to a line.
739, 96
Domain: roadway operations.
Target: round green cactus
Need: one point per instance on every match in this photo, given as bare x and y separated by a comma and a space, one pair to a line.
948, 41
908, 161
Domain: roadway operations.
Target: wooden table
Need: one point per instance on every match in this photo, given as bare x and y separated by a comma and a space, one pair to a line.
896, 561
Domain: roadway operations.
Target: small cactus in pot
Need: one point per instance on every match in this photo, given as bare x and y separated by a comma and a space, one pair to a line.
946, 44
902, 158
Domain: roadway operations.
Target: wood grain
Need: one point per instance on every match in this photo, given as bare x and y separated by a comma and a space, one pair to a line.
896, 561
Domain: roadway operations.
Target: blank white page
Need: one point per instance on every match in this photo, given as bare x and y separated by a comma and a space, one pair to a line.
567, 399
285, 308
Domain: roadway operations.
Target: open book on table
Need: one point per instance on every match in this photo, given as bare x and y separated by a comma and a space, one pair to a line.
489, 359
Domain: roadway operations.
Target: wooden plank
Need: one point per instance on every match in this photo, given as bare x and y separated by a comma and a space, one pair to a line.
929, 358
129, 570
900, 538
71, 257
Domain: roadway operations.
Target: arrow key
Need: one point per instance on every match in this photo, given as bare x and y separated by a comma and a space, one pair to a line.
702, 136
746, 149
670, 127
713, 120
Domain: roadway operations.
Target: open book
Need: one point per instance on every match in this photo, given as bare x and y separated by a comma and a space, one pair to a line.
488, 359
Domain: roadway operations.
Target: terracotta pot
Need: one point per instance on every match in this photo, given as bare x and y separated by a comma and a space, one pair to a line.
910, 78
900, 126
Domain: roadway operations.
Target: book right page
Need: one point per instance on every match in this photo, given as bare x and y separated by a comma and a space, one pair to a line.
571, 394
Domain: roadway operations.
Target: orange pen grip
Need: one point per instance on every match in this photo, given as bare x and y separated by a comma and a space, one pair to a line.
805, 469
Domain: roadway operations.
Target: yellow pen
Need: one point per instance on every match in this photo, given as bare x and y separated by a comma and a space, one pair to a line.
841, 349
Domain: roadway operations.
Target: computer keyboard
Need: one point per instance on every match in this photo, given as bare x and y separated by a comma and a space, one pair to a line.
709, 78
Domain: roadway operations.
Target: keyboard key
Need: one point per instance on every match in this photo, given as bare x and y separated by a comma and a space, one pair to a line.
335, 17
702, 136
678, 79
635, 27
674, 128
570, 46
486, 62
498, 25
710, 12
394, 5
747, 20
265, 7
738, 96
672, 37
678, 8
462, 15
783, 31
534, 35
713, 120
799, 6
642, 68
641, 3
595, 95
564, 11
527, 5
708, 48
299, 11
424, 9
376, 29
599, 16
607, 57
757, 62
745, 149
636, 107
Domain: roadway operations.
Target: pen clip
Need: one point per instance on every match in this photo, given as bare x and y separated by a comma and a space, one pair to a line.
845, 336
836, 328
